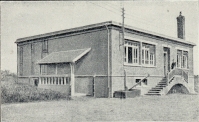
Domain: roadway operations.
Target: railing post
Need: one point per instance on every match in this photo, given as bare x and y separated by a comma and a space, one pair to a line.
168, 79
39, 80
65, 80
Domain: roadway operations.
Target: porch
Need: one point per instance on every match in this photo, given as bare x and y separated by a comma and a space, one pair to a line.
63, 57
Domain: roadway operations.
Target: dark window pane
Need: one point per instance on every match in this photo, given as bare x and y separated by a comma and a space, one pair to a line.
129, 54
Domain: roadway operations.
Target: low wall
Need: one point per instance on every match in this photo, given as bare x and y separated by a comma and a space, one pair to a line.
84, 85
59, 88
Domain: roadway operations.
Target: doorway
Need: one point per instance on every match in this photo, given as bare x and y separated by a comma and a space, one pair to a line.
166, 55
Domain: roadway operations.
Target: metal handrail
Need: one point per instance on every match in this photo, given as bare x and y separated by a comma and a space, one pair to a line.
140, 81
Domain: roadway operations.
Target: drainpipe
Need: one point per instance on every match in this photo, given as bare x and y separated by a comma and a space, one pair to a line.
17, 63
108, 65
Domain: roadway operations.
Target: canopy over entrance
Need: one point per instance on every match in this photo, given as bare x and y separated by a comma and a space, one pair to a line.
69, 56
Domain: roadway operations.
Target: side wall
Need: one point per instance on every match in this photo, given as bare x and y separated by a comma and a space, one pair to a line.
93, 63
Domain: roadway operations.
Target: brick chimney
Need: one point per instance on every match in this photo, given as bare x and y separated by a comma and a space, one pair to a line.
181, 26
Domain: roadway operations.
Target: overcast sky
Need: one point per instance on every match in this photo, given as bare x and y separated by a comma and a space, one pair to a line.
22, 19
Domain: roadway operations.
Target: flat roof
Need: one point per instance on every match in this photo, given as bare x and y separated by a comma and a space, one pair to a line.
92, 26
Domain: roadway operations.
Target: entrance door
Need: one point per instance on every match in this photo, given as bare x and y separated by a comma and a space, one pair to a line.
166, 60
165, 63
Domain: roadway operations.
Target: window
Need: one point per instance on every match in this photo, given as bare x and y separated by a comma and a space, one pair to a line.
144, 81
21, 61
138, 80
182, 59
148, 54
43, 69
139, 53
45, 46
131, 52
179, 57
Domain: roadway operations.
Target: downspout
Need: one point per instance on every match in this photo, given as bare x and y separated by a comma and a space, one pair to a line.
17, 63
108, 74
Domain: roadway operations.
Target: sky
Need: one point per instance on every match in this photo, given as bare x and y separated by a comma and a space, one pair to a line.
23, 19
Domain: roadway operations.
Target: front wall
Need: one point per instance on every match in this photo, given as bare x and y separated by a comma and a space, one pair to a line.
156, 72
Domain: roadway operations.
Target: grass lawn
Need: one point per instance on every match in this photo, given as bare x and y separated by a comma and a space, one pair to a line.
173, 107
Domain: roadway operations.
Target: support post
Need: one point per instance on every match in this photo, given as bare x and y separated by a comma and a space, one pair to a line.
72, 83
56, 69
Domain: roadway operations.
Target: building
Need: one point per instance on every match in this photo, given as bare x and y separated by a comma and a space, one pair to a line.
94, 60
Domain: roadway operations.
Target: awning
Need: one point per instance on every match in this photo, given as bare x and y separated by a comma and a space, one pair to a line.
64, 56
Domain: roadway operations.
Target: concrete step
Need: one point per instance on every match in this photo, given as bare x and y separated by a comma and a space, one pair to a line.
153, 94
161, 85
155, 90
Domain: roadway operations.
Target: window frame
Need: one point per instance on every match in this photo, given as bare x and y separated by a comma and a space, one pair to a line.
135, 47
44, 69
140, 43
146, 55
181, 63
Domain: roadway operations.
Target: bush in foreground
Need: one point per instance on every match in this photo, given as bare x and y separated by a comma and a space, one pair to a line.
15, 92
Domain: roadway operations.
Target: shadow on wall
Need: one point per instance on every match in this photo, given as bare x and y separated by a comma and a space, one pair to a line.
178, 88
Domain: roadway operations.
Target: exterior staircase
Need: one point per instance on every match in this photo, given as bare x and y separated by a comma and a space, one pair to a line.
158, 88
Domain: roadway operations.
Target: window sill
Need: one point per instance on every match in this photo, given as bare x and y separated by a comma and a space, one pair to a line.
137, 65
44, 51
182, 68
141, 86
149, 66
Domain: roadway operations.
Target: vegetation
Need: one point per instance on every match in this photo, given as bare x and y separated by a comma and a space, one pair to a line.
172, 107
11, 91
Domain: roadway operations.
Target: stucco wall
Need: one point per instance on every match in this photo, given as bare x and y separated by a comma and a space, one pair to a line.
84, 85
26, 60
93, 63
156, 72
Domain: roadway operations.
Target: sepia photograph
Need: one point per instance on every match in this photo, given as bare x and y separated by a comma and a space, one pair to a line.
72, 61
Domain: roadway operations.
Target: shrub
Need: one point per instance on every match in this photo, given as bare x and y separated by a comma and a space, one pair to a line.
14, 92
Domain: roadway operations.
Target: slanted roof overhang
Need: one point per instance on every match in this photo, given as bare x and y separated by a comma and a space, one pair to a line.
98, 25
70, 56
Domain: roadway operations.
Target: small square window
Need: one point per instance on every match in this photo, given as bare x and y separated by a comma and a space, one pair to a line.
144, 81
137, 80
